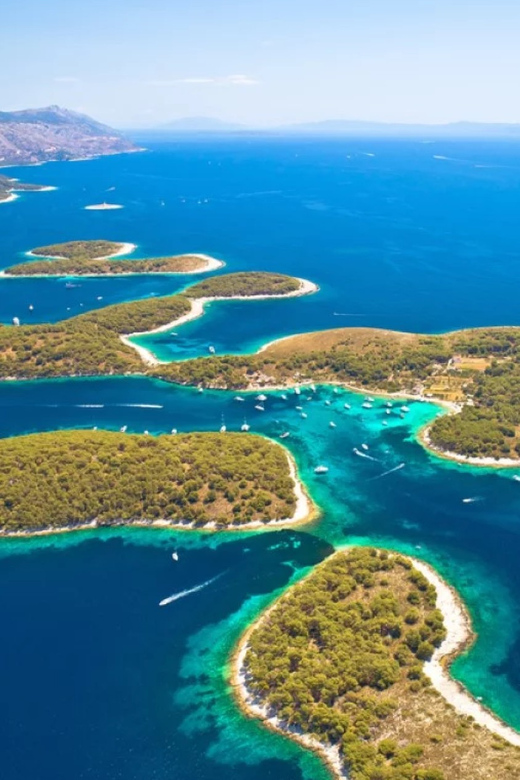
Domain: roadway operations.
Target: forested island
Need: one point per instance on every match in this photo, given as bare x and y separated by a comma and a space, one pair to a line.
98, 258
8, 186
245, 284
72, 479
90, 344
340, 658
477, 370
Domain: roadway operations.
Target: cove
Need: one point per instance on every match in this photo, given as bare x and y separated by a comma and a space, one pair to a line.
418, 509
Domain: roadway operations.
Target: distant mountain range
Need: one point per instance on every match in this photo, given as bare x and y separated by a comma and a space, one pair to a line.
340, 127
202, 124
54, 133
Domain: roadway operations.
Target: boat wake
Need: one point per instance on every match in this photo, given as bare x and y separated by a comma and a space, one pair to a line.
183, 593
142, 406
364, 455
390, 471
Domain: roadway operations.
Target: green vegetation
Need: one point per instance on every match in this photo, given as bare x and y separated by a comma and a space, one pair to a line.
136, 316
79, 250
86, 345
340, 657
89, 344
66, 479
244, 284
480, 366
7, 185
82, 258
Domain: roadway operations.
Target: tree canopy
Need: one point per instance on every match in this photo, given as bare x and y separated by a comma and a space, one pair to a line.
340, 657
66, 479
81, 258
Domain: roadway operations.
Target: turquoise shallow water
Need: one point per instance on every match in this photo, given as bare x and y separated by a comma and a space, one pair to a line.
95, 677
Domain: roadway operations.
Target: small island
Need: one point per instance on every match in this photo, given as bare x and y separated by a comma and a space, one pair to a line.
9, 187
68, 480
96, 258
341, 663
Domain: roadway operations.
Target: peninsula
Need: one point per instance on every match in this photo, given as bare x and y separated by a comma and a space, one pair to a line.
99, 478
96, 343
97, 258
341, 663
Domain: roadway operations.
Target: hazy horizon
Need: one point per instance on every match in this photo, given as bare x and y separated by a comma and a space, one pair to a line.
136, 66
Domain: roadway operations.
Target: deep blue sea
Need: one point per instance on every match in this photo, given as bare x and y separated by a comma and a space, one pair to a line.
99, 682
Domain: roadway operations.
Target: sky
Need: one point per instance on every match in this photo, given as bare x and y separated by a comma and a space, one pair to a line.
143, 63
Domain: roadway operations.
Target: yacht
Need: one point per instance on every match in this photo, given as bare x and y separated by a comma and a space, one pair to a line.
332, 424
146, 433
201, 389
313, 388
346, 406
31, 307
327, 402
321, 469
366, 405
223, 426
123, 429
297, 390
173, 431
261, 398
365, 446
238, 398
175, 555
211, 350
303, 415
404, 409
245, 427
299, 408
284, 435
283, 397
260, 408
